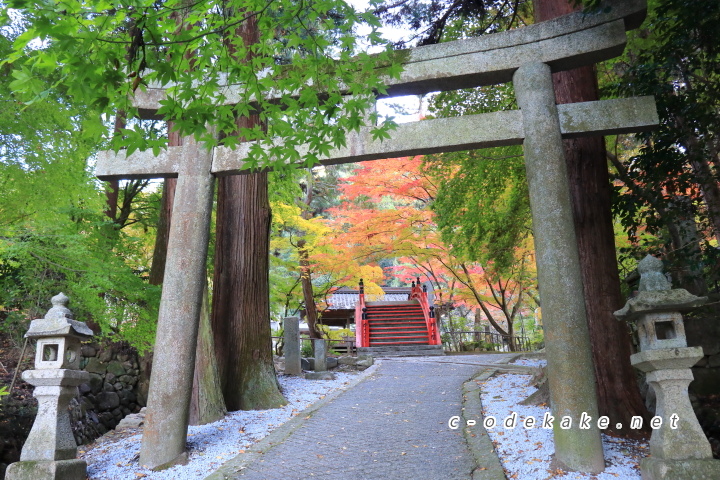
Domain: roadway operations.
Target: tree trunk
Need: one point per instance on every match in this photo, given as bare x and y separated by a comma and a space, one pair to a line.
207, 404
477, 325
311, 313
618, 393
241, 301
157, 269
511, 334
112, 187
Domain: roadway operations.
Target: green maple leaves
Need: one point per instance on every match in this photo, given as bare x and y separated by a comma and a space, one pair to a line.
296, 73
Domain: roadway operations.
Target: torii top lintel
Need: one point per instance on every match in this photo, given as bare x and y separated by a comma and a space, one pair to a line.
566, 42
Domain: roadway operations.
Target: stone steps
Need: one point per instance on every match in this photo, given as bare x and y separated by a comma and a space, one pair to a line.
402, 351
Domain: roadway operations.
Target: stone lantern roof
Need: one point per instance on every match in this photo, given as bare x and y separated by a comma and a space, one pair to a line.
656, 294
58, 321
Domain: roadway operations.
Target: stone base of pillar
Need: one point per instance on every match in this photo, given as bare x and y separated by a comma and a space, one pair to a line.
693, 469
47, 470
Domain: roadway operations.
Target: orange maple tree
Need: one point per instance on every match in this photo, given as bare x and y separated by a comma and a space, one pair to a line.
386, 217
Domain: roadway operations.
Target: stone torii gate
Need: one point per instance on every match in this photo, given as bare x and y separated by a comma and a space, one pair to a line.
526, 56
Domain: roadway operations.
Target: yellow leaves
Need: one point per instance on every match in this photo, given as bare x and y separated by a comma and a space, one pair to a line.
282, 213
289, 218
373, 276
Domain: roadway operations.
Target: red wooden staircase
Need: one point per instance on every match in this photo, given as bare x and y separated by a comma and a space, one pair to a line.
396, 323
397, 328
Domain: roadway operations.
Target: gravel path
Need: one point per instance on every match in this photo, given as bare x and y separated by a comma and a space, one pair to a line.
391, 426
525, 453
115, 457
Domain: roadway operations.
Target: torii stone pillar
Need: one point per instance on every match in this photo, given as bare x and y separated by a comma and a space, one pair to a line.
572, 382
174, 357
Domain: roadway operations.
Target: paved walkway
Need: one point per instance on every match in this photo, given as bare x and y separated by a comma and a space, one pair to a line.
393, 425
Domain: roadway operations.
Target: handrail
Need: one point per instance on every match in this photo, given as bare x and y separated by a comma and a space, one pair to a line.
420, 294
361, 324
520, 343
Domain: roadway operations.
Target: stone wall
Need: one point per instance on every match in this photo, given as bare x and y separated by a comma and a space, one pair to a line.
704, 331
112, 392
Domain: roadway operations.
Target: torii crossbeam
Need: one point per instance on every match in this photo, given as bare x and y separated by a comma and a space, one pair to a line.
528, 56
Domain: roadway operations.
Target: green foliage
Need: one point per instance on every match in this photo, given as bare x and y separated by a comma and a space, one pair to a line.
43, 259
293, 72
336, 334
306, 350
482, 206
54, 235
435, 21
668, 175
14, 324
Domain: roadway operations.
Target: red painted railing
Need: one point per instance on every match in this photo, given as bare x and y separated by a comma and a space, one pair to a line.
420, 294
362, 329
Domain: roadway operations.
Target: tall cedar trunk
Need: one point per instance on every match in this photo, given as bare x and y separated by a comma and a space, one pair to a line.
157, 269
207, 404
112, 187
241, 304
618, 393
241, 300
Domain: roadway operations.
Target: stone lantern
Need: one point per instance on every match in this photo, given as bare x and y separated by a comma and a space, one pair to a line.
50, 449
678, 447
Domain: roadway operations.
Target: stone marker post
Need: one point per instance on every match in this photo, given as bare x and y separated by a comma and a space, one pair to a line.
320, 347
171, 380
570, 368
50, 449
679, 449
291, 350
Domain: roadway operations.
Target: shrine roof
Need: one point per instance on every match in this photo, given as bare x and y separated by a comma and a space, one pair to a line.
345, 298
